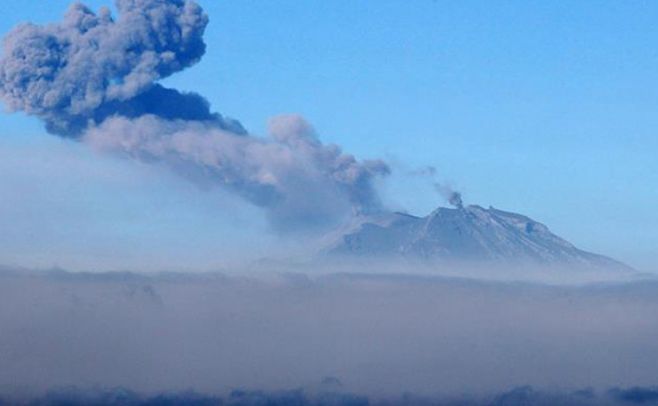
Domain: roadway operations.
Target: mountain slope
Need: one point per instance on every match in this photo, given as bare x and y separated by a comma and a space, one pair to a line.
462, 234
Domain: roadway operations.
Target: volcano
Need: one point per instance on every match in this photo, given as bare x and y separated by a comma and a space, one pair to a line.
462, 234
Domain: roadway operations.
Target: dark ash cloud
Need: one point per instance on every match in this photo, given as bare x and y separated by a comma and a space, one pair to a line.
94, 78
90, 66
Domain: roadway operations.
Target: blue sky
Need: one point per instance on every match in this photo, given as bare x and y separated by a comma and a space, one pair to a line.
543, 108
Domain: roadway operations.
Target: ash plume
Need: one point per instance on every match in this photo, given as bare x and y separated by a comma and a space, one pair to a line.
452, 196
455, 199
94, 78
301, 182
89, 67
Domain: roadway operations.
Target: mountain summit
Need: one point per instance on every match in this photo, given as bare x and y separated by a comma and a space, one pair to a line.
462, 234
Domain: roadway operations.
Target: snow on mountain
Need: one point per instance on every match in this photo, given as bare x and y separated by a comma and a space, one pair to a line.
471, 233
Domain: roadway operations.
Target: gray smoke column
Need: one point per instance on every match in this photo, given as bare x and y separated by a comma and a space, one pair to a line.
94, 78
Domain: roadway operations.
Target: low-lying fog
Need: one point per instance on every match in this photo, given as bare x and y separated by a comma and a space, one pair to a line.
374, 334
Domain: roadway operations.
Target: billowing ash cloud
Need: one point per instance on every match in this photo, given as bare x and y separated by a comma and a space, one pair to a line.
89, 66
300, 180
94, 78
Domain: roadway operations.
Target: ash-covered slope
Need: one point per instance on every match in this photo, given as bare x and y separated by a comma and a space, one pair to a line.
472, 234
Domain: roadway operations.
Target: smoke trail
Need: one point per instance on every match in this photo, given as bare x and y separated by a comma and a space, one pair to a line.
300, 181
93, 78
452, 196
446, 191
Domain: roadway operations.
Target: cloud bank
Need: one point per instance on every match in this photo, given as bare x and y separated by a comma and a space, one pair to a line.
379, 336
94, 78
